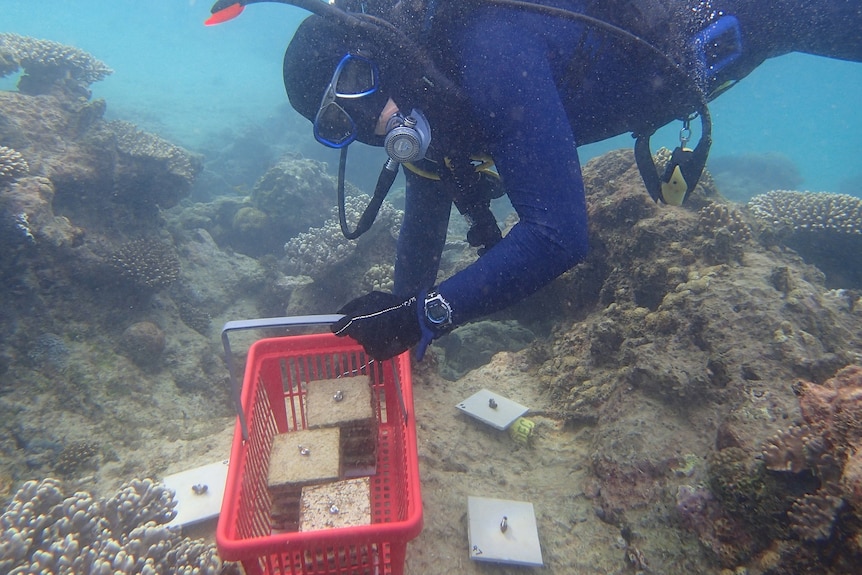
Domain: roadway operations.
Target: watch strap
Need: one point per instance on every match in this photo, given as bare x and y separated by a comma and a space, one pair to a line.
428, 334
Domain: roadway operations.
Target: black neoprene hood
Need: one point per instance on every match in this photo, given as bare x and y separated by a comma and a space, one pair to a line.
309, 61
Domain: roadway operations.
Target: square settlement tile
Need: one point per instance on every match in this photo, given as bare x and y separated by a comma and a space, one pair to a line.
493, 409
503, 531
198, 493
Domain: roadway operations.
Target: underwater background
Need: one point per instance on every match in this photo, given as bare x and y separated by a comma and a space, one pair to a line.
694, 386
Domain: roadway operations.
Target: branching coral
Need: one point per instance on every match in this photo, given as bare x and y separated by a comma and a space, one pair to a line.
318, 250
806, 211
47, 63
75, 456
728, 232
787, 450
813, 515
12, 165
46, 531
147, 263
715, 216
819, 227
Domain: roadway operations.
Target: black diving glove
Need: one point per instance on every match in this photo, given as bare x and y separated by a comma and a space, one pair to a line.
385, 324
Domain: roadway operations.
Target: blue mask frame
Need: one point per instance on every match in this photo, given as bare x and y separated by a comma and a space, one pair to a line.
331, 116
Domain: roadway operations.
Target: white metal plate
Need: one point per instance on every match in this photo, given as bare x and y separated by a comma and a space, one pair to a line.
479, 405
517, 544
194, 502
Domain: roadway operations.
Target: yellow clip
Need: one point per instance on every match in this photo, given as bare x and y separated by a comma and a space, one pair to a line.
482, 163
522, 430
673, 192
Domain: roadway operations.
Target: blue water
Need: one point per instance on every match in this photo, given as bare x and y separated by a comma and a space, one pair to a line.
192, 83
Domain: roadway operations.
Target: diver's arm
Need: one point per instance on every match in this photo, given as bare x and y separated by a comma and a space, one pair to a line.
830, 28
423, 234
514, 95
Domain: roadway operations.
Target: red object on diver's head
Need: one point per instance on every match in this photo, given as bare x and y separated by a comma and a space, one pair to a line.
225, 14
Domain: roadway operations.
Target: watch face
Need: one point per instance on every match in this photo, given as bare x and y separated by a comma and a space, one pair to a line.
437, 310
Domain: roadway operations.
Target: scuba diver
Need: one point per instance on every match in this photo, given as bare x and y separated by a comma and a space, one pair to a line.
445, 85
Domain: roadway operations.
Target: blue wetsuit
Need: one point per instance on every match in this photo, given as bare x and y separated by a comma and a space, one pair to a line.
539, 87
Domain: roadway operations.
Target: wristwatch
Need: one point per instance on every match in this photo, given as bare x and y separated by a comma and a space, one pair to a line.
437, 310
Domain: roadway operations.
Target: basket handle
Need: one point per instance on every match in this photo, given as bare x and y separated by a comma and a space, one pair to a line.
261, 323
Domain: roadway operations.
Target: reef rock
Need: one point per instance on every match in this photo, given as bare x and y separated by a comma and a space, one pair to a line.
682, 333
143, 342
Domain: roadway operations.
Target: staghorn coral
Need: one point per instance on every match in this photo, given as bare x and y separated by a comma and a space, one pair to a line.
806, 211
315, 252
12, 165
44, 530
147, 263
47, 63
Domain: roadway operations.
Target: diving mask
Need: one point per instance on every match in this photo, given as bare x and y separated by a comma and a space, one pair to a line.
355, 77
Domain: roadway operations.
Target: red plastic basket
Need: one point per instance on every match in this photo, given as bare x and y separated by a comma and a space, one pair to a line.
277, 376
